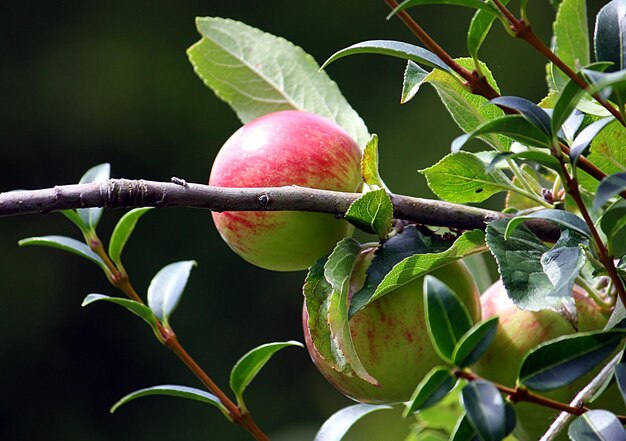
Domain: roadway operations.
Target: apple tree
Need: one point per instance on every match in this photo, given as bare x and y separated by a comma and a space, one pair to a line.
393, 317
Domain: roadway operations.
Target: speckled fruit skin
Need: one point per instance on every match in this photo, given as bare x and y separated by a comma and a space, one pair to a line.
518, 332
279, 149
392, 341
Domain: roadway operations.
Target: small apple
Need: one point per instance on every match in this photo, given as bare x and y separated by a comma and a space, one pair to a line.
518, 332
392, 341
279, 149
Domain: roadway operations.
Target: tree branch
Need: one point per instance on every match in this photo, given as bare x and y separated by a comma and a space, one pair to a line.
139, 193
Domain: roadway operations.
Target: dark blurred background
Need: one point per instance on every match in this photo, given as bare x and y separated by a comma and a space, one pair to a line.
90, 82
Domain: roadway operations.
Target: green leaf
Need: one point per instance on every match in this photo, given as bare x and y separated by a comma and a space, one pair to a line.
532, 112
539, 157
571, 34
515, 127
392, 48
122, 231
596, 425
257, 73
562, 361
607, 153
414, 77
610, 186
76, 219
67, 244
447, 317
433, 387
562, 218
479, 28
167, 287
98, 173
610, 34
175, 391
475, 342
335, 427
620, 379
463, 177
372, 213
535, 276
469, 110
136, 308
417, 265
317, 292
338, 270
474, 4
463, 431
369, 164
251, 364
584, 139
613, 224
565, 105
485, 410
393, 251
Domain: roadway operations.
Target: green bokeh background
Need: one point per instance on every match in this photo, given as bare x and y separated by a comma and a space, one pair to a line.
90, 82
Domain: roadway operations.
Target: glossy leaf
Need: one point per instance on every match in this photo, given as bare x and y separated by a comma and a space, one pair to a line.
620, 378
610, 186
433, 387
338, 271
174, 391
167, 287
475, 342
257, 73
98, 173
400, 246
485, 410
139, 309
372, 213
474, 4
610, 34
535, 276
597, 425
66, 244
606, 153
447, 317
463, 177
391, 48
584, 138
414, 77
562, 361
539, 157
251, 364
463, 431
417, 265
479, 28
565, 105
532, 112
122, 231
369, 164
335, 427
515, 127
73, 216
562, 218
613, 224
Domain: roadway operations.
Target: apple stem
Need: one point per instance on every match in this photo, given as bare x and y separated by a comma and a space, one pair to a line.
521, 393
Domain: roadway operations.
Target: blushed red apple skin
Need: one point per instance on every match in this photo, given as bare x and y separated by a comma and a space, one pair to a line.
391, 338
518, 332
281, 149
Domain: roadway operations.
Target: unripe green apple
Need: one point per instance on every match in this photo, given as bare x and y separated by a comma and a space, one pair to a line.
392, 341
518, 332
280, 149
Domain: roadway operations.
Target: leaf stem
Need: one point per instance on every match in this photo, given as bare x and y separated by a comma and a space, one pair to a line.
520, 393
594, 294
